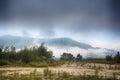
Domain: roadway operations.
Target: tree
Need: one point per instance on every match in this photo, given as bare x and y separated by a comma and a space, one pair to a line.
42, 51
117, 57
0, 50
49, 54
6, 49
79, 57
63, 56
70, 57
67, 57
27, 56
13, 49
109, 57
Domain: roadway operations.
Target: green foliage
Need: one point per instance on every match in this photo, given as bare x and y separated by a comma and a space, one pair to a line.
33, 64
42, 65
0, 50
70, 57
65, 75
79, 57
108, 57
26, 55
42, 51
4, 62
47, 72
67, 57
115, 59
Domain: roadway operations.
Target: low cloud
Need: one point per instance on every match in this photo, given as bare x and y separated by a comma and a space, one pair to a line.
94, 53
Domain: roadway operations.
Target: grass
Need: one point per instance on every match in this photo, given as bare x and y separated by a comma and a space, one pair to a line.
48, 75
33, 64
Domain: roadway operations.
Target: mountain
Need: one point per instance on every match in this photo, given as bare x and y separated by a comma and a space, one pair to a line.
18, 42
26, 41
57, 45
67, 42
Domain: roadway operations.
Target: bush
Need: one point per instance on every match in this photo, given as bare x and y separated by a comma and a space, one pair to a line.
4, 62
43, 65
33, 64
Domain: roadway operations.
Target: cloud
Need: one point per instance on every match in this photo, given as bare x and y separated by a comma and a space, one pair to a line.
99, 53
82, 20
77, 14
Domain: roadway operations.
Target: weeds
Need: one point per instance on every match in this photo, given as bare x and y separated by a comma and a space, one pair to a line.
48, 75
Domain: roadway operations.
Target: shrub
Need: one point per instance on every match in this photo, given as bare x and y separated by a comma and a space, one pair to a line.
34, 64
43, 65
4, 62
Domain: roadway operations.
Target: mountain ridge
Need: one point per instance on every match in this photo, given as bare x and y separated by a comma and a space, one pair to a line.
26, 41
60, 43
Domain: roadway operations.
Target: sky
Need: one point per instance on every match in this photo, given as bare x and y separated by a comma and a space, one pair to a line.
96, 22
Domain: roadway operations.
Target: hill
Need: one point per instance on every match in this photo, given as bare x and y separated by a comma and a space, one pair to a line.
57, 45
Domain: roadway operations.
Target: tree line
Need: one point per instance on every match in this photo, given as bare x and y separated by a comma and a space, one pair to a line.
108, 58
39, 54
70, 57
26, 55
115, 58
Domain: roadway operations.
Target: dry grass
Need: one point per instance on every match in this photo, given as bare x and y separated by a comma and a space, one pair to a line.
74, 69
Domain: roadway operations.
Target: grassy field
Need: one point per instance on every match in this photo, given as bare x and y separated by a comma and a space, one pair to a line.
67, 71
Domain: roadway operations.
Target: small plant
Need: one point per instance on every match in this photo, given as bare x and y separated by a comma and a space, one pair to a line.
114, 76
16, 76
47, 72
96, 72
65, 75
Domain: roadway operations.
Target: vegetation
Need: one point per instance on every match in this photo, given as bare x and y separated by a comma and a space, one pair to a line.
37, 54
79, 57
49, 75
40, 56
114, 59
70, 57
67, 57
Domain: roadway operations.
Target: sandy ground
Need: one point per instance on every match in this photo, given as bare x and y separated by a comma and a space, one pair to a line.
72, 69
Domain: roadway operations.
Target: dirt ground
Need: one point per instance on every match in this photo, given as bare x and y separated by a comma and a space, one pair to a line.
74, 69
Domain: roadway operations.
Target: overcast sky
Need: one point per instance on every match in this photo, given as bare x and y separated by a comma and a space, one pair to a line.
96, 22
